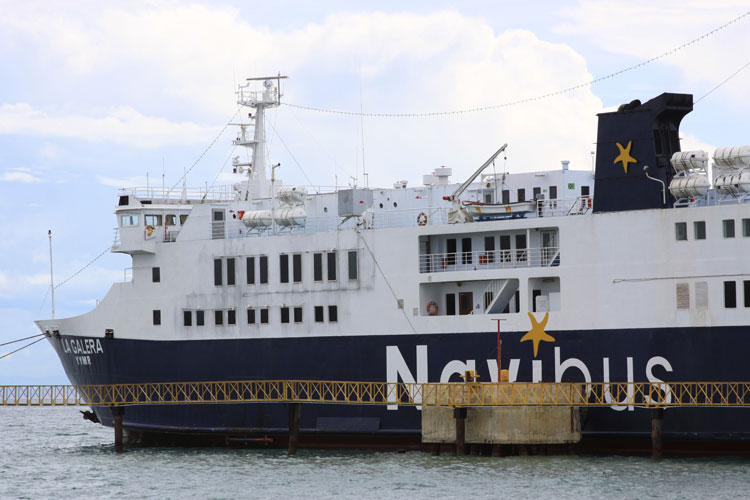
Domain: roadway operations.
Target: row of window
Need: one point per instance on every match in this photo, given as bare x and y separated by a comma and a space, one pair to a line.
699, 229
254, 316
489, 246
701, 295
322, 261
536, 193
730, 294
152, 219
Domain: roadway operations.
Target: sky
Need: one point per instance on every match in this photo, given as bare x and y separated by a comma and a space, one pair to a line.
96, 96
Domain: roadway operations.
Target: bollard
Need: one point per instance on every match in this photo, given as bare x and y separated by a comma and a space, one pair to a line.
460, 415
294, 410
117, 412
657, 415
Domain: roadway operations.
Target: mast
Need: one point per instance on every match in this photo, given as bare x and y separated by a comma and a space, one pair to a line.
51, 275
259, 101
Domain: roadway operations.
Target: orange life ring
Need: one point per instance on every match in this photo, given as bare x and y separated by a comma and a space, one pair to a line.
149, 230
422, 219
432, 308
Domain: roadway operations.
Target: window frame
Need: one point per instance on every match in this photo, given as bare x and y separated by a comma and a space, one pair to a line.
156, 317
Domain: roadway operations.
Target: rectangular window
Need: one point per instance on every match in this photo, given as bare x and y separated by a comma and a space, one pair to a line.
521, 195
553, 192
155, 274
170, 220
217, 272
730, 294
251, 316
506, 196
728, 225
521, 247
701, 295
333, 314
297, 267
537, 193
231, 317
488, 196
680, 231
505, 252
284, 268
489, 249
298, 315
683, 296
318, 314
353, 271
250, 264
157, 317
284, 314
128, 220
585, 191
263, 261
746, 228
187, 318
199, 318
466, 257
450, 250
219, 317
153, 220
230, 271
264, 316
331, 262
699, 230
318, 267
450, 304
746, 291
183, 219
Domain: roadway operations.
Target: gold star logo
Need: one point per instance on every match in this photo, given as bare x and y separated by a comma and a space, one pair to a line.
537, 333
624, 156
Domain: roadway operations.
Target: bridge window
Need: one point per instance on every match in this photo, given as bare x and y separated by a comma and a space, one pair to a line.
157, 317
730, 294
285, 315
230, 271
318, 314
170, 220
187, 317
155, 275
284, 268
251, 316
128, 220
699, 230
217, 272
728, 226
353, 270
231, 317
183, 219
318, 267
263, 261
199, 321
331, 256
153, 220
680, 231
333, 314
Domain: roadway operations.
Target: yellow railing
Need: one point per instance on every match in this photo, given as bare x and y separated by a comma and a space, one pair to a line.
642, 394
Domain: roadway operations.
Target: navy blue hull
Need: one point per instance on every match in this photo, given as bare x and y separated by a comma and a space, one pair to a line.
694, 354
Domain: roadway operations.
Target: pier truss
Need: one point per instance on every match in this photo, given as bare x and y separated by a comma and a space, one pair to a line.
456, 395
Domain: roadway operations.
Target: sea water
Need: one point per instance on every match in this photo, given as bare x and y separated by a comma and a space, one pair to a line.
53, 453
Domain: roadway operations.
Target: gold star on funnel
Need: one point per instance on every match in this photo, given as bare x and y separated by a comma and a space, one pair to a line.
624, 156
537, 333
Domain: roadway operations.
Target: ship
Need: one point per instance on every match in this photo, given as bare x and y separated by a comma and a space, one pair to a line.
636, 270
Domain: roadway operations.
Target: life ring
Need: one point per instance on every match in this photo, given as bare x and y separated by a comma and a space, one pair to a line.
432, 308
422, 219
149, 230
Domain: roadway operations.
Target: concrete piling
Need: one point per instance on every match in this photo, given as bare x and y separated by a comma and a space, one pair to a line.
460, 415
117, 412
657, 416
295, 411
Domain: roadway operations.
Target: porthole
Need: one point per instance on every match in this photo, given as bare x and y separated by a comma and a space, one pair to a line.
325, 209
395, 204
381, 205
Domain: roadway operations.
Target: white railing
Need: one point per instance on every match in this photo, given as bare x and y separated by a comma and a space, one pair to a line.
173, 196
489, 295
494, 259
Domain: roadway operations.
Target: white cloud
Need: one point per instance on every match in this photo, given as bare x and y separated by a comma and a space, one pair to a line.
19, 175
122, 125
135, 181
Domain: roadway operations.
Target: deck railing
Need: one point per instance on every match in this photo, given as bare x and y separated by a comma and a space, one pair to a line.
493, 259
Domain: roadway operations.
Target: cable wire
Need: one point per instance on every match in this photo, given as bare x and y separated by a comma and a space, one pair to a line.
82, 269
21, 348
529, 99
19, 340
722, 83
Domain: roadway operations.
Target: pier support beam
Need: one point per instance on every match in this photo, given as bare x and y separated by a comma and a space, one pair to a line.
657, 416
460, 415
435, 449
294, 410
117, 412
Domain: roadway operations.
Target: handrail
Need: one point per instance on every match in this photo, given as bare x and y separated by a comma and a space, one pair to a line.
489, 259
